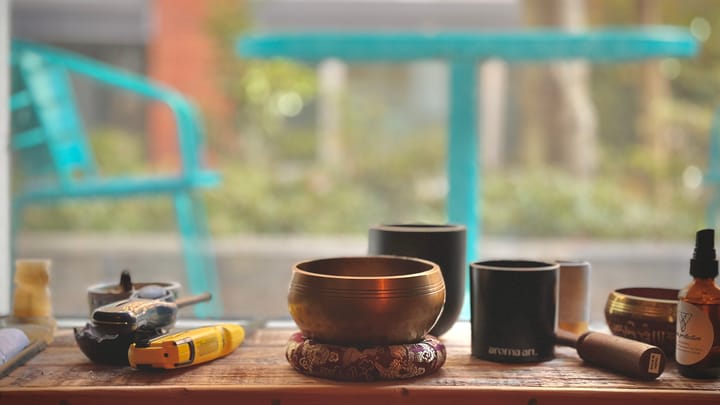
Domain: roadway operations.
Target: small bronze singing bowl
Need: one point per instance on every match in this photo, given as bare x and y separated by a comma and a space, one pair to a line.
644, 314
366, 301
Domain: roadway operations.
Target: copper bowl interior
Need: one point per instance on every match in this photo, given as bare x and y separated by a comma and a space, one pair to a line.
368, 300
365, 267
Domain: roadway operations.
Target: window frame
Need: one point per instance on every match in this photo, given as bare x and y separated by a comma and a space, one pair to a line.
5, 270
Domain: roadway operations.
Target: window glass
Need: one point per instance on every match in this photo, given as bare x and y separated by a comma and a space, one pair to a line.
601, 162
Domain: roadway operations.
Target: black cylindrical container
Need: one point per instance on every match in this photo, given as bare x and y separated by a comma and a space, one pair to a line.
513, 310
442, 244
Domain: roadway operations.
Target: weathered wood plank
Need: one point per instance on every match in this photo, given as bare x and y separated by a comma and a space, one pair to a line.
258, 373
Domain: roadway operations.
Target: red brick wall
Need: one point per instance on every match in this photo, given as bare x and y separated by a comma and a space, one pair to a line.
181, 55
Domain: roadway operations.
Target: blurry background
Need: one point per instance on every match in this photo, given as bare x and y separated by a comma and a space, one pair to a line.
596, 162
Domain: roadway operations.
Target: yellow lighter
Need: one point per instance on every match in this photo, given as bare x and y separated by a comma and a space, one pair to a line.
186, 348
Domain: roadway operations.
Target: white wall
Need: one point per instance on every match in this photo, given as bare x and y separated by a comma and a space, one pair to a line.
4, 160
386, 14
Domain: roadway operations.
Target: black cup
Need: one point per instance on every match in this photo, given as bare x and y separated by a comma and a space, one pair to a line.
442, 244
513, 310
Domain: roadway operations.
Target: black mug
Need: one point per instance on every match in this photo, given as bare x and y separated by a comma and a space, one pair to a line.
513, 308
442, 244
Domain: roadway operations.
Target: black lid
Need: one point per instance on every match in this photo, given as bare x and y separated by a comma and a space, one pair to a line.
704, 263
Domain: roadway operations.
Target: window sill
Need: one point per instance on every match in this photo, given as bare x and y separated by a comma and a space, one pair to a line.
258, 373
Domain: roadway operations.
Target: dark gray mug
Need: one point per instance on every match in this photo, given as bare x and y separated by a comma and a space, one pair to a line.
513, 308
443, 244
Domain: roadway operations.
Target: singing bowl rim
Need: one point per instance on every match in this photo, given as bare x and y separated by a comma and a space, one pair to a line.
433, 267
636, 295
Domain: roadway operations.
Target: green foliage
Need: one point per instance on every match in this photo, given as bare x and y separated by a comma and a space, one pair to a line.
546, 203
264, 94
374, 185
393, 166
281, 197
117, 153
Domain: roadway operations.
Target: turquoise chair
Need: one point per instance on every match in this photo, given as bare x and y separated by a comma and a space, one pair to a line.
53, 161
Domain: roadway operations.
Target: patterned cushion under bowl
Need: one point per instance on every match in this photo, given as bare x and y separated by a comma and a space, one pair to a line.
348, 363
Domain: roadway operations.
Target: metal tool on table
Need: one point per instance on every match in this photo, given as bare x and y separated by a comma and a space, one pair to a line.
626, 356
186, 348
108, 293
150, 308
149, 312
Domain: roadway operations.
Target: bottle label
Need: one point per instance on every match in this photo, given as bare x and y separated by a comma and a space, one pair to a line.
695, 334
655, 363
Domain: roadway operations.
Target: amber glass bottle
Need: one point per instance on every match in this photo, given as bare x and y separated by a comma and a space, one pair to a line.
698, 318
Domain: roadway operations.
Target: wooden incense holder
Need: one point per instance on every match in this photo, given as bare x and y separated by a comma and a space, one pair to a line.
626, 356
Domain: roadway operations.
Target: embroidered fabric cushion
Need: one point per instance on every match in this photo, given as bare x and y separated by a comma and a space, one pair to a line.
348, 363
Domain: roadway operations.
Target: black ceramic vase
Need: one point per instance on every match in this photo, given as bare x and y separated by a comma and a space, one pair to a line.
442, 244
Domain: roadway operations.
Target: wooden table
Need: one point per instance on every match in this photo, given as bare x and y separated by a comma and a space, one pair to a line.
257, 373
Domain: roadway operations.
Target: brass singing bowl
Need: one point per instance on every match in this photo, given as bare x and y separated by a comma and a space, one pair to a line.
366, 301
644, 314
